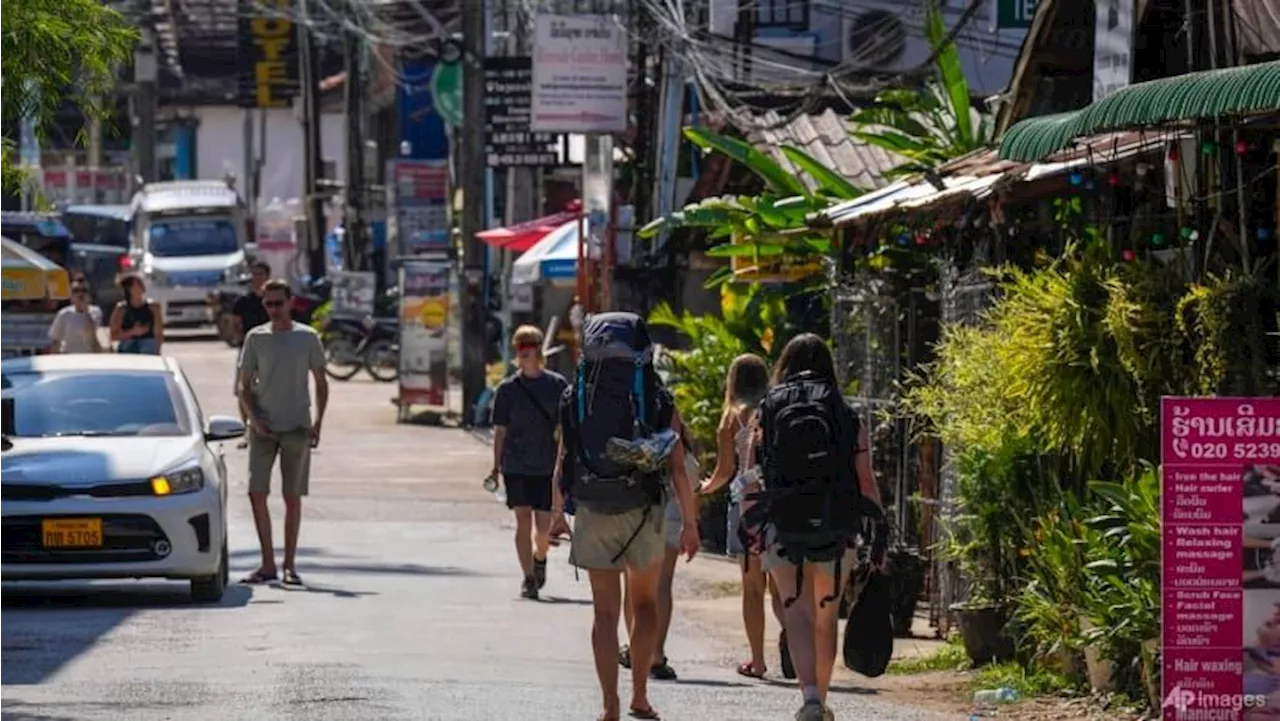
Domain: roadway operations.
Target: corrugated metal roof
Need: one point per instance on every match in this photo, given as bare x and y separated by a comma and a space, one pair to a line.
828, 138
974, 176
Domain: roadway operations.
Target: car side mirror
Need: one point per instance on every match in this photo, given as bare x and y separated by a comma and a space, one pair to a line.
223, 428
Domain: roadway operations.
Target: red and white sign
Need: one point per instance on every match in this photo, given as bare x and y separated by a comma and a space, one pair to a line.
579, 75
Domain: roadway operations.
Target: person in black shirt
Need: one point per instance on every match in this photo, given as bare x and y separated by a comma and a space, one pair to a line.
249, 313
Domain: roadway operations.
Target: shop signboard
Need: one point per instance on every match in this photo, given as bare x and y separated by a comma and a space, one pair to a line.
424, 332
419, 192
579, 74
1220, 561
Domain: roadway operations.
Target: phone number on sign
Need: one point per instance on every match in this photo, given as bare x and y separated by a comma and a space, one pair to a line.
1222, 451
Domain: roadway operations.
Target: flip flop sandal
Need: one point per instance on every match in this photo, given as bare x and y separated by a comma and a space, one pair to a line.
748, 670
624, 657
644, 713
257, 578
663, 671
291, 578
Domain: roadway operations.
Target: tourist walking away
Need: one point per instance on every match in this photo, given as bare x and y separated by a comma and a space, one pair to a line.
526, 440
75, 327
621, 458
137, 322
673, 529
745, 386
248, 313
807, 506
275, 361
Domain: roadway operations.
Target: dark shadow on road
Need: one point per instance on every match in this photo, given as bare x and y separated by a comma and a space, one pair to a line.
563, 600
853, 690
712, 683
407, 569
303, 552
18, 711
331, 590
47, 625
113, 596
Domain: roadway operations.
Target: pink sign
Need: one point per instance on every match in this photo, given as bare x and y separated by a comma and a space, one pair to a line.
1220, 497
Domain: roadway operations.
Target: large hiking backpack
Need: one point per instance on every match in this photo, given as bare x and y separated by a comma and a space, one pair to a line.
615, 394
811, 499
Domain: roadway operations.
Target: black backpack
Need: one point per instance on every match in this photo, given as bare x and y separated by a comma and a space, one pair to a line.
868, 635
811, 496
615, 394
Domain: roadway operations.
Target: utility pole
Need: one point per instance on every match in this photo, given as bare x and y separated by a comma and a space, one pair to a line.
471, 162
312, 161
145, 74
355, 252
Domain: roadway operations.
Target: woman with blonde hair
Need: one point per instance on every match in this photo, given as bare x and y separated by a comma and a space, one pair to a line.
745, 386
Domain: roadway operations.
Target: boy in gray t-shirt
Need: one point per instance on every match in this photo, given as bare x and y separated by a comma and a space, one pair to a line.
75, 327
275, 396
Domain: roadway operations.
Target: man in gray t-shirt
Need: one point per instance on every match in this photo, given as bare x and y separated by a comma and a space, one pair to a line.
275, 361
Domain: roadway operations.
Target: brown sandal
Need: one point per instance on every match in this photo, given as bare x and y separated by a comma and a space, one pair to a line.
749, 670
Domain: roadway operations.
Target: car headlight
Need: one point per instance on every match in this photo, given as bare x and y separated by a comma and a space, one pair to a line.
182, 480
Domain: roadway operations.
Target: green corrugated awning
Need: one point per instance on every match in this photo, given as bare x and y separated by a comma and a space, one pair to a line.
1231, 91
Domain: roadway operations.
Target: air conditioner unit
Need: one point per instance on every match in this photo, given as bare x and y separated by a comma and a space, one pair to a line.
884, 36
888, 36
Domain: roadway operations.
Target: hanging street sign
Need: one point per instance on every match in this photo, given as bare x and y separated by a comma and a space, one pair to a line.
509, 139
1015, 13
579, 74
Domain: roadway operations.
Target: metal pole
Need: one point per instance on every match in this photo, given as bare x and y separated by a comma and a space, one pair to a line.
145, 74
250, 181
312, 162
355, 248
471, 164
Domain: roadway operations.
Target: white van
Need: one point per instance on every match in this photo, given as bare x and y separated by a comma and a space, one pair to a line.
189, 239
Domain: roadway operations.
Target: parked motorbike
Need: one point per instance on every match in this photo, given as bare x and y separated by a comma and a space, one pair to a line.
372, 344
314, 294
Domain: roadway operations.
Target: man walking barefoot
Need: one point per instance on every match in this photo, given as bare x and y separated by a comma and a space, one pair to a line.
525, 418
275, 361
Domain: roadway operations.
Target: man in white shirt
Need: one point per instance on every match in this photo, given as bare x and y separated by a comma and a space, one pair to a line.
75, 327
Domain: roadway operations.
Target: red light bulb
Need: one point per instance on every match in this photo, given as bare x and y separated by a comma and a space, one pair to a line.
1128, 255
1242, 147
1173, 153
1113, 180
921, 240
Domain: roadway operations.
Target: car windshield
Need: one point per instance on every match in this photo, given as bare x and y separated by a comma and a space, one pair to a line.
184, 238
94, 403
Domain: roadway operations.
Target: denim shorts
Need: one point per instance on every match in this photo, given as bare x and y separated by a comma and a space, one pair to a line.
145, 346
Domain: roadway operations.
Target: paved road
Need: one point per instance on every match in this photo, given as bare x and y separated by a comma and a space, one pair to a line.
411, 610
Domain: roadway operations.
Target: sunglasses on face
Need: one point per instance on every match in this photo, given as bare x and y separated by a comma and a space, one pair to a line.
272, 303
527, 348
79, 291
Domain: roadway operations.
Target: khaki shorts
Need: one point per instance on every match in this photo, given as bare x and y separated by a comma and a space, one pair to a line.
600, 540
294, 450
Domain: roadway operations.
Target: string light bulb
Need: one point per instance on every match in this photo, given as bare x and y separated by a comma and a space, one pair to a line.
1128, 255
1242, 147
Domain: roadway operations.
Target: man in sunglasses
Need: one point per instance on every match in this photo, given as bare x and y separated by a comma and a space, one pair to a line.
75, 327
525, 419
275, 361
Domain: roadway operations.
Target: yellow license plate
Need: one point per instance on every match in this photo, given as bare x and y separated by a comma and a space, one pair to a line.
71, 532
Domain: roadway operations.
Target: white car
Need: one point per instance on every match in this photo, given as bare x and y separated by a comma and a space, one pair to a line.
108, 472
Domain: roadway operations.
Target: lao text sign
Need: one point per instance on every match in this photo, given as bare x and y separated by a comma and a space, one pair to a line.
1220, 498
509, 141
579, 75
1112, 47
268, 53
424, 332
419, 190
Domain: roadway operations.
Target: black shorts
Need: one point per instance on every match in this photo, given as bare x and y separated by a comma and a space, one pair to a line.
527, 491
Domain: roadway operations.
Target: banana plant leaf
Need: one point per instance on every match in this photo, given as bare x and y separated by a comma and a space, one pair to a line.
773, 174
829, 180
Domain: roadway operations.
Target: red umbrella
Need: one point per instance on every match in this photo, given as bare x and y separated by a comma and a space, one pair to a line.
523, 236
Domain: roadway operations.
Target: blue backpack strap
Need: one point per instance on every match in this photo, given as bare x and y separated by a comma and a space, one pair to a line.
580, 393
637, 389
